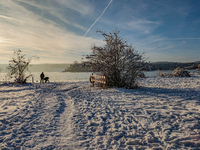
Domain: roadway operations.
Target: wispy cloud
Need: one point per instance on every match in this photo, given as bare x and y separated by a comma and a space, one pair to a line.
23, 29
57, 10
83, 7
141, 25
54, 29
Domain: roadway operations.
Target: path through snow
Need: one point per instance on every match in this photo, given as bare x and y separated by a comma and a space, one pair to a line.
32, 116
163, 114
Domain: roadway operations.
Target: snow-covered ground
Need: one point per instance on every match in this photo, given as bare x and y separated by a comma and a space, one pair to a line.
163, 114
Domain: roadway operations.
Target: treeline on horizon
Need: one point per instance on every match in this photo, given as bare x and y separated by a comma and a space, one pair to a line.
173, 65
78, 67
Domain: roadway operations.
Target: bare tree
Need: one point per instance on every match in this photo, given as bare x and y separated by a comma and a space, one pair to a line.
118, 61
18, 66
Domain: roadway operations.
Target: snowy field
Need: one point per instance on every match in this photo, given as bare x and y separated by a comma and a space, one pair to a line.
163, 114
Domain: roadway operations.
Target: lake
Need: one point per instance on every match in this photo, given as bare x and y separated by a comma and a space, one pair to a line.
72, 76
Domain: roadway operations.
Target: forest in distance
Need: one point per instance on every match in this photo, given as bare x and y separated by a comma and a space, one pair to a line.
173, 65
77, 67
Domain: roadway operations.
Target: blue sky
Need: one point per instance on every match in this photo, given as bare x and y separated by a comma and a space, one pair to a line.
61, 31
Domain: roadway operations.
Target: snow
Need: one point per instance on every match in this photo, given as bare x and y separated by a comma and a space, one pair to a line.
163, 114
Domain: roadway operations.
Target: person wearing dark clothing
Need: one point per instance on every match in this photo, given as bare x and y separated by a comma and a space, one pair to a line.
41, 77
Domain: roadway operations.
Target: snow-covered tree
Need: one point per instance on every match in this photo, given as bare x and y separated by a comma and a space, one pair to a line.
18, 65
118, 61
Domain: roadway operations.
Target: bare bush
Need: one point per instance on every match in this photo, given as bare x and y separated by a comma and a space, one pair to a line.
18, 65
119, 62
180, 72
164, 74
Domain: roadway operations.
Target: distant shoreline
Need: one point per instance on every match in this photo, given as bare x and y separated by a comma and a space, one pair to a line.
64, 67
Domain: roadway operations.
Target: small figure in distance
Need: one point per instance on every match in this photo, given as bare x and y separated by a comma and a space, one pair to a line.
41, 77
46, 79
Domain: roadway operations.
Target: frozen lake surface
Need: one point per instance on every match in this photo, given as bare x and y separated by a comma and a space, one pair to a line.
56, 76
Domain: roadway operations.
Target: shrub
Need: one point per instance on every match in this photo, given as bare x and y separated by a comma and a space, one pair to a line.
179, 72
18, 65
164, 74
118, 61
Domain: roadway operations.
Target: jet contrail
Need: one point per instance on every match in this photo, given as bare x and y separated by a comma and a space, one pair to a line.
97, 20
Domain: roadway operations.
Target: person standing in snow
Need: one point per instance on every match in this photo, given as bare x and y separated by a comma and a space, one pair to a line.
41, 77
